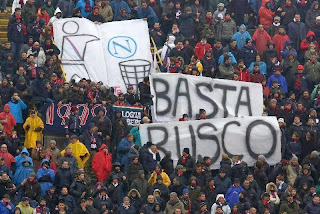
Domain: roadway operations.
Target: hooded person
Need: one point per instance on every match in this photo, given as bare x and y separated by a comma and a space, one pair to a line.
241, 36
57, 16
310, 38
7, 120
312, 14
266, 14
79, 151
106, 11
24, 167
33, 128
220, 202
102, 163
288, 49
45, 176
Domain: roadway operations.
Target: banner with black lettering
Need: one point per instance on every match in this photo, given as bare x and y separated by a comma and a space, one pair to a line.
178, 94
247, 137
56, 115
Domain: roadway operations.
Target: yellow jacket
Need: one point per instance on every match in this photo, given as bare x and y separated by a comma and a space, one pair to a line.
153, 178
31, 135
80, 152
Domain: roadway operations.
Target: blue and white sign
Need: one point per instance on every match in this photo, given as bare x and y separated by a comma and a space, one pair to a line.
116, 53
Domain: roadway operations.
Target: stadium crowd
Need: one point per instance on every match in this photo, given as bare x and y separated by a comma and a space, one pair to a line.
104, 168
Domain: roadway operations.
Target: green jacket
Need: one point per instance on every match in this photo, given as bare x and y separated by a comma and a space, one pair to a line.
285, 209
207, 29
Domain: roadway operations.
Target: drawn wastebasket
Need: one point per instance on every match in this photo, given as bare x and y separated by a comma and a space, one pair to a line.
133, 71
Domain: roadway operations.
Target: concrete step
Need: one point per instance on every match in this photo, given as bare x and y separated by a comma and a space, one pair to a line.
4, 39
3, 27
3, 34
4, 21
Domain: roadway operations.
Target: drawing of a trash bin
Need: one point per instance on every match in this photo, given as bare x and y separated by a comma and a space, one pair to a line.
133, 71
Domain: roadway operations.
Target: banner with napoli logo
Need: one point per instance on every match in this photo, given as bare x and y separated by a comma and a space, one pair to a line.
116, 53
56, 115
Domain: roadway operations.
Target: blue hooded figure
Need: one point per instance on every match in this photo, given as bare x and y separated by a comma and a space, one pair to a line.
123, 149
24, 167
287, 49
241, 36
22, 157
117, 6
45, 176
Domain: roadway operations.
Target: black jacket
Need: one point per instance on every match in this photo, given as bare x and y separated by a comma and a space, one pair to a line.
63, 178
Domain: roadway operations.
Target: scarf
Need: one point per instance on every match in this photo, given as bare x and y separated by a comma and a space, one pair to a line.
126, 207
93, 142
209, 20
297, 86
154, 155
184, 159
19, 27
103, 198
87, 7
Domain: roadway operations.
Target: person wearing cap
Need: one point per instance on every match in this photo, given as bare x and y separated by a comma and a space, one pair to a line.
248, 53
131, 96
72, 123
24, 205
265, 203
79, 151
102, 163
187, 162
274, 28
222, 203
31, 188
95, 17
219, 13
16, 36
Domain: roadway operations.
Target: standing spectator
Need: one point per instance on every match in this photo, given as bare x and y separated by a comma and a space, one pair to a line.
117, 6
187, 162
16, 107
54, 152
261, 39
146, 12
7, 120
33, 128
72, 123
45, 176
66, 7
312, 14
31, 188
67, 198
64, 176
150, 158
102, 163
38, 53
85, 6
274, 28
241, 37
17, 34
280, 40
222, 204
266, 14
296, 31
201, 48
106, 11
248, 53
79, 151
173, 204
145, 94
240, 9
28, 11
9, 160
226, 29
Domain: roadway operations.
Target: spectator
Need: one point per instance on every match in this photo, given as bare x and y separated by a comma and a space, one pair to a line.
102, 163
80, 152
33, 128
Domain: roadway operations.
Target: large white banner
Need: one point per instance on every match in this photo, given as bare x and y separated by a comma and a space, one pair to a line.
178, 94
247, 137
116, 53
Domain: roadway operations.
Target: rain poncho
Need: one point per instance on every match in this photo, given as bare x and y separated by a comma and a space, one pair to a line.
45, 177
22, 171
31, 134
241, 37
10, 121
102, 164
80, 152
